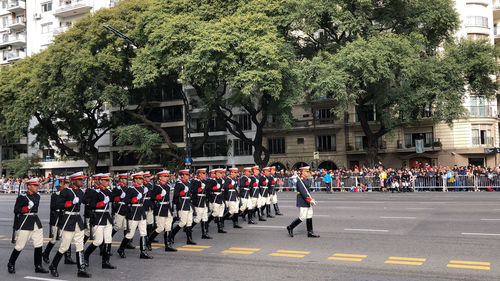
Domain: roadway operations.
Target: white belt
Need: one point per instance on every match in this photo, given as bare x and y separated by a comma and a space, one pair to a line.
232, 190
217, 193
136, 205
100, 211
246, 188
72, 213
147, 198
30, 214
201, 195
164, 203
263, 187
186, 197
121, 203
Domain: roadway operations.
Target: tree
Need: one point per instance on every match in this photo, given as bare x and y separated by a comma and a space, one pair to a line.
21, 166
232, 52
65, 88
385, 55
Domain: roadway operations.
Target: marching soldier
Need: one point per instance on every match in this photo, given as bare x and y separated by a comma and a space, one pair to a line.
148, 205
200, 201
120, 208
272, 191
231, 196
218, 200
305, 204
256, 197
264, 192
71, 225
101, 220
245, 195
55, 217
163, 211
182, 198
29, 226
136, 216
87, 214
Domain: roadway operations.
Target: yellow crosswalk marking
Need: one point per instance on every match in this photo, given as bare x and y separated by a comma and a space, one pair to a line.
344, 259
189, 249
349, 255
244, 249
196, 246
406, 259
404, 262
471, 262
286, 255
468, 266
293, 252
237, 252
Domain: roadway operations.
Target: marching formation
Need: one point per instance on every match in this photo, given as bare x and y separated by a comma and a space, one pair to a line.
145, 204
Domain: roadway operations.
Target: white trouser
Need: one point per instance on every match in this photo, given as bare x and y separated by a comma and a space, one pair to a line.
23, 236
186, 218
102, 233
67, 237
305, 213
201, 214
132, 224
164, 223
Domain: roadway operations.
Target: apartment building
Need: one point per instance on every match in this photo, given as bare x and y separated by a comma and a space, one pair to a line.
319, 139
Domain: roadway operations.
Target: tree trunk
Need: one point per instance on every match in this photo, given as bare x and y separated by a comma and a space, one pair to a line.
261, 156
372, 150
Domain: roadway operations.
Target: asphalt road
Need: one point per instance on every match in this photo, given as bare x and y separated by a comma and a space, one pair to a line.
364, 236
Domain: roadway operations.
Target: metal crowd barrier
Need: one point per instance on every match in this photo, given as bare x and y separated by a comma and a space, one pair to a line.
415, 183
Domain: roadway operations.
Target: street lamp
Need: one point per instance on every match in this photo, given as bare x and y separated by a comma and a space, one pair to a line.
187, 117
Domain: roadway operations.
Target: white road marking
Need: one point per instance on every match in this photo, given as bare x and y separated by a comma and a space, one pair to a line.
40, 278
410, 218
490, 219
363, 229
481, 234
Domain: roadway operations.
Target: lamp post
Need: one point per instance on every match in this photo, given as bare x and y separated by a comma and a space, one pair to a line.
187, 117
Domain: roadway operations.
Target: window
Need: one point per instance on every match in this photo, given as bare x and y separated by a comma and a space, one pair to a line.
276, 146
5, 4
5, 54
176, 133
5, 37
476, 21
326, 143
173, 113
300, 140
5, 22
325, 115
482, 137
244, 121
46, 28
358, 143
241, 148
47, 7
368, 111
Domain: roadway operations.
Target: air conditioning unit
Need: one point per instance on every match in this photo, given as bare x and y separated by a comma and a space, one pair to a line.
37, 16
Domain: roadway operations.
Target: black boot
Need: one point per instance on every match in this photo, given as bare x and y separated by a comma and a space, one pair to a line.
220, 229
151, 238
54, 264
250, 215
243, 214
82, 269
113, 232
204, 230
168, 245
292, 226
310, 232
189, 235
268, 211
277, 210
144, 253
85, 239
235, 221
129, 245
210, 218
121, 250
38, 261
105, 257
148, 243
46, 252
67, 256
90, 249
174, 232
153, 229
11, 266
260, 212
101, 249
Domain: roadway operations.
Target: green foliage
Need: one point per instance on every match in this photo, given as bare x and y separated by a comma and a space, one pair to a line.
142, 139
20, 167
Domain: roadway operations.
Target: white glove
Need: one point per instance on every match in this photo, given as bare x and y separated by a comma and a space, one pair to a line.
30, 204
313, 202
146, 190
218, 186
139, 196
163, 193
106, 199
76, 200
257, 181
122, 195
186, 189
203, 185
223, 181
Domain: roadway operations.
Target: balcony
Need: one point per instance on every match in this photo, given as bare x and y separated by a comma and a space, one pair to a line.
482, 111
18, 23
17, 7
483, 141
14, 41
59, 30
69, 8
